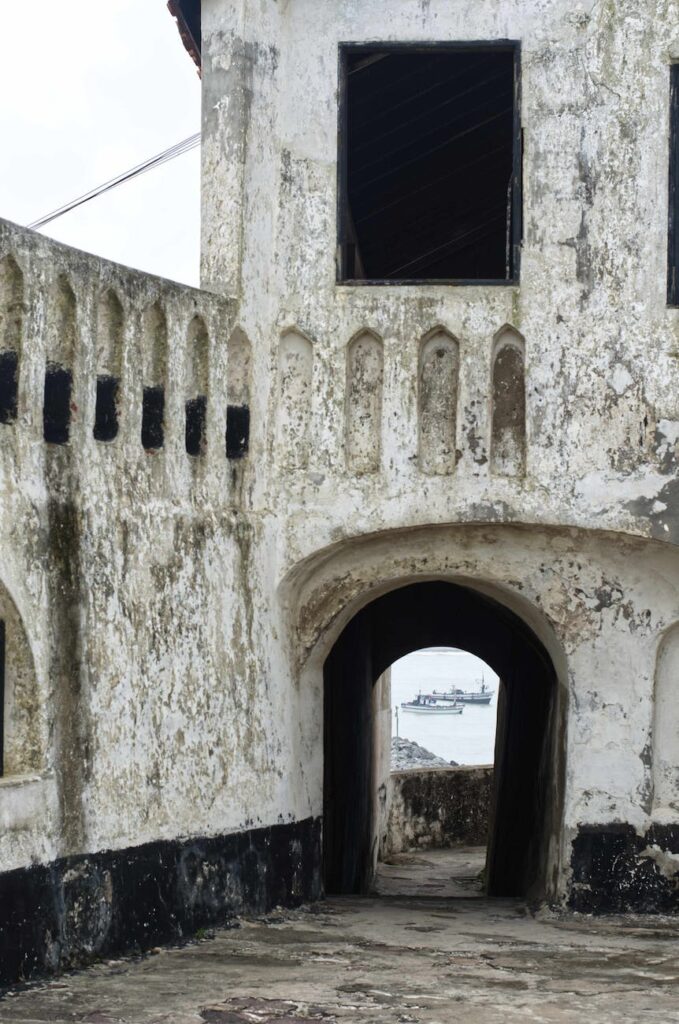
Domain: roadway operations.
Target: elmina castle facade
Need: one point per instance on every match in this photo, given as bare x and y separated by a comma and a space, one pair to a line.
429, 394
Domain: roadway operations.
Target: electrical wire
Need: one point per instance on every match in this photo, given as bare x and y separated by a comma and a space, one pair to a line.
178, 149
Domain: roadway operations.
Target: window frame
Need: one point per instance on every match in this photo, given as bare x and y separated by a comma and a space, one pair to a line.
347, 49
673, 190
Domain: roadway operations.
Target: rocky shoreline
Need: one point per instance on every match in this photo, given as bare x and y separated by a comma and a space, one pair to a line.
406, 754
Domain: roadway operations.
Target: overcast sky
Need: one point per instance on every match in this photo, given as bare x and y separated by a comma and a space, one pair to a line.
90, 88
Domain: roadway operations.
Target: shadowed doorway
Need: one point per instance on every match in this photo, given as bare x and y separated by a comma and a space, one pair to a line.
528, 773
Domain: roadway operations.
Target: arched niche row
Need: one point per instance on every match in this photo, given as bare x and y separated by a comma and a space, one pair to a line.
238, 383
11, 336
364, 385
154, 377
20, 733
438, 379
295, 372
60, 346
508, 413
109, 365
197, 380
665, 744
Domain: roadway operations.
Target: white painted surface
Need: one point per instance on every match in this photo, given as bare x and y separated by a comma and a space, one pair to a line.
205, 597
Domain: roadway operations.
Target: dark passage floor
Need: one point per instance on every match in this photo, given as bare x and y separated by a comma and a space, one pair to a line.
413, 955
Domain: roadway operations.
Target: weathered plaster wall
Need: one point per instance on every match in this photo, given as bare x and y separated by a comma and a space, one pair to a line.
141, 700
168, 615
585, 459
600, 343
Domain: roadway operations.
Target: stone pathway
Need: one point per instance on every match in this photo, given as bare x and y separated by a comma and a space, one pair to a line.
405, 958
442, 873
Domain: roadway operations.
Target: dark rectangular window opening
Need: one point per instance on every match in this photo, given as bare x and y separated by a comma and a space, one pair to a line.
152, 419
9, 384
106, 409
2, 697
429, 163
237, 431
56, 407
196, 421
673, 247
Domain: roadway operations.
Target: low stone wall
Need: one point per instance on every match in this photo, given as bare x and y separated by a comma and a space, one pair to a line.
437, 807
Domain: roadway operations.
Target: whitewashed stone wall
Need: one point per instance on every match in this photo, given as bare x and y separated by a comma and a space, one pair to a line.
569, 504
168, 616
140, 702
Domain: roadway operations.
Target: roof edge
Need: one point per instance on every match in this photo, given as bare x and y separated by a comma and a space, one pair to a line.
187, 15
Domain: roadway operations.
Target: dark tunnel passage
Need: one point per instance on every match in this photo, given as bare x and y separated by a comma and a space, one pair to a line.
528, 748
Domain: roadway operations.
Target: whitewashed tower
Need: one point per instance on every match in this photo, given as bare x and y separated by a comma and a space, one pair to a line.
449, 230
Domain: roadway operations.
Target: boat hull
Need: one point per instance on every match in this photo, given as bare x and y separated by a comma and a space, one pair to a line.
470, 698
432, 711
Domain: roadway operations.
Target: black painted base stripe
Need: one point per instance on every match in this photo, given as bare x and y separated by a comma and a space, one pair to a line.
613, 873
74, 910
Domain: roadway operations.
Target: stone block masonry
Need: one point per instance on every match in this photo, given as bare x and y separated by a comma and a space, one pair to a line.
437, 808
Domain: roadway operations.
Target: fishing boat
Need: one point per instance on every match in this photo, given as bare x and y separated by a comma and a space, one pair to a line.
428, 704
483, 695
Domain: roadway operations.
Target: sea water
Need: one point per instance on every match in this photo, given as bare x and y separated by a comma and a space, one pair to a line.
468, 738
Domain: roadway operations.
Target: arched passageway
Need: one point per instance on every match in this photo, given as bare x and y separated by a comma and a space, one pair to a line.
528, 755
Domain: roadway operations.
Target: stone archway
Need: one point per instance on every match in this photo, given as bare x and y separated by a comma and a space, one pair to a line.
528, 790
598, 603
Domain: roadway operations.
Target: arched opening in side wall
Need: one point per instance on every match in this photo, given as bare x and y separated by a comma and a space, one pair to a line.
21, 712
526, 807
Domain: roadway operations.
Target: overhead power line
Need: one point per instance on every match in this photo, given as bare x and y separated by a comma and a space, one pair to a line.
134, 172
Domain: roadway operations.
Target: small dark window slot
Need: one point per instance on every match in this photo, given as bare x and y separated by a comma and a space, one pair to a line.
430, 163
56, 409
2, 697
196, 421
237, 431
9, 383
152, 419
673, 240
106, 410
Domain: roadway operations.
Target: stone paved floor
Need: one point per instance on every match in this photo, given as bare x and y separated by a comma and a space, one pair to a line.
415, 954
